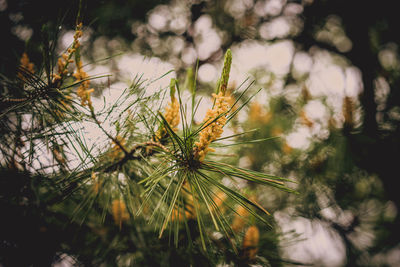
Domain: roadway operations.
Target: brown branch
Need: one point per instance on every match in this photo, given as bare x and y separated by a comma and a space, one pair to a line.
129, 155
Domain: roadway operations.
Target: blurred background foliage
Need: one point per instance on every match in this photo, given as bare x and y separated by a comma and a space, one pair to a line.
329, 70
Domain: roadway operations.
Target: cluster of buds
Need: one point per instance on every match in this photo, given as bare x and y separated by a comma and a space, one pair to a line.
80, 75
257, 114
251, 236
119, 212
83, 91
250, 243
240, 219
171, 113
241, 216
78, 34
216, 118
62, 64
219, 199
26, 64
66, 58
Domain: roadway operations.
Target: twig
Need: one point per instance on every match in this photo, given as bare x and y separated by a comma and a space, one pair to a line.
116, 141
129, 156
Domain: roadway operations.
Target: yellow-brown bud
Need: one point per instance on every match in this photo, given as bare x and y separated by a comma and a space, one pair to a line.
250, 243
119, 212
215, 126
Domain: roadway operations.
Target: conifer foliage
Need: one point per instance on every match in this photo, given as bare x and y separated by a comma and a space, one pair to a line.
153, 185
